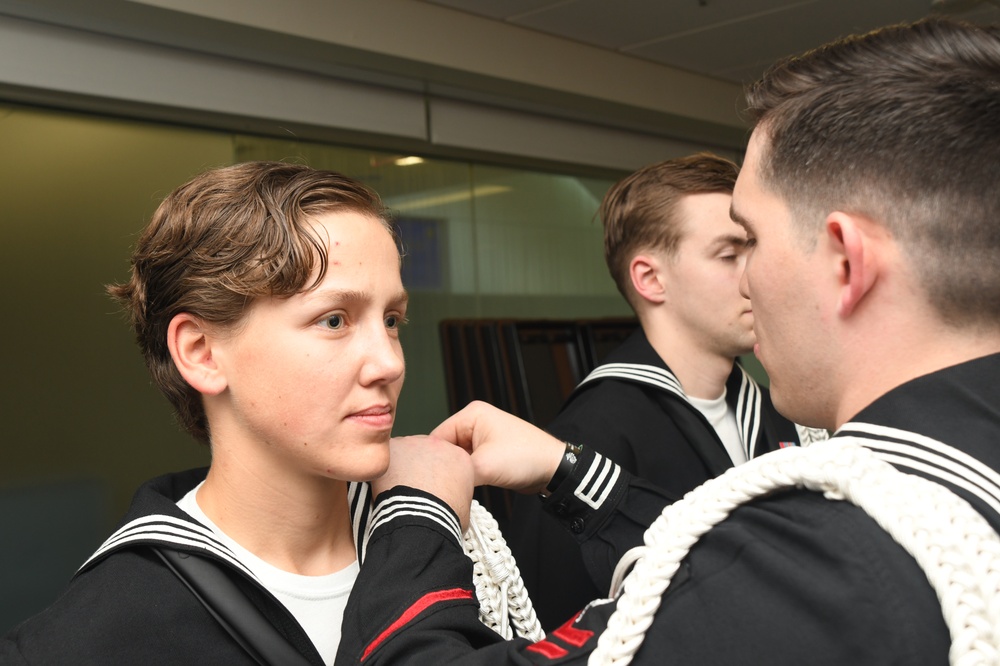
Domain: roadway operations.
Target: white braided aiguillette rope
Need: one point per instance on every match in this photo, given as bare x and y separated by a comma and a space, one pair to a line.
809, 436
951, 541
504, 605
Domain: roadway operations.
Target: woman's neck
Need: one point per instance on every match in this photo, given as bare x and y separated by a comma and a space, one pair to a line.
298, 523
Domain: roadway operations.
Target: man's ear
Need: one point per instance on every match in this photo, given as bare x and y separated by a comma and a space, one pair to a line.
190, 345
855, 254
644, 271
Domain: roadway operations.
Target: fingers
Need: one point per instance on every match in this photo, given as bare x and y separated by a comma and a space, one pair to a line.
507, 452
461, 428
433, 465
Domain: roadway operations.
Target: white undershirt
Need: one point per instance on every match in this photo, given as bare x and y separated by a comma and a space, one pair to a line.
317, 602
723, 419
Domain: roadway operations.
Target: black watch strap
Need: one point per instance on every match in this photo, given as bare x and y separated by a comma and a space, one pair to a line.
569, 459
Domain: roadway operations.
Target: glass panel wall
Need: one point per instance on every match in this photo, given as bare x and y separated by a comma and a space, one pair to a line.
81, 418
82, 425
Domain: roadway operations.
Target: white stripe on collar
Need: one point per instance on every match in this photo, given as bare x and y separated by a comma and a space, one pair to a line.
359, 499
903, 448
160, 528
647, 374
748, 412
168, 530
748, 401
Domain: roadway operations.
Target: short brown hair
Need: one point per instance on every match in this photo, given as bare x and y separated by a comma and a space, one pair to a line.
639, 212
901, 125
218, 242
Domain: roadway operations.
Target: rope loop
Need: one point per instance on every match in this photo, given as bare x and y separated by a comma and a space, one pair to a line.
951, 541
504, 605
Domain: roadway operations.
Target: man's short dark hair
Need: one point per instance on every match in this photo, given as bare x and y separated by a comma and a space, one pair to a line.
902, 126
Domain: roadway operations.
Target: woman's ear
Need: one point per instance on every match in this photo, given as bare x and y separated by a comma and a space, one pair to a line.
855, 255
190, 344
644, 271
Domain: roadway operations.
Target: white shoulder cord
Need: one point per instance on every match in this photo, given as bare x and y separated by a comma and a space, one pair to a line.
503, 600
499, 586
951, 541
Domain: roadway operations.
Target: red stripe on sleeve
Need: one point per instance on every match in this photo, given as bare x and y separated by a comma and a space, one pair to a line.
418, 607
547, 649
571, 635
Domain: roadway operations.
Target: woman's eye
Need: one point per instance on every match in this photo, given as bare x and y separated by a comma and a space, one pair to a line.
334, 321
394, 321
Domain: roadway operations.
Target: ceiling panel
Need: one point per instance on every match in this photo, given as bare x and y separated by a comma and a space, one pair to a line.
497, 10
743, 49
624, 23
728, 39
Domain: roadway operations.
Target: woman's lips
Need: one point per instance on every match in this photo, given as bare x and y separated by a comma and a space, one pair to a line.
379, 416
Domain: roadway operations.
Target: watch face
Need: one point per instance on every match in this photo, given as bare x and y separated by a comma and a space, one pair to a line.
566, 465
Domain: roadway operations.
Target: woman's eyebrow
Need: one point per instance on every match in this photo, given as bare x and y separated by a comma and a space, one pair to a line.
355, 296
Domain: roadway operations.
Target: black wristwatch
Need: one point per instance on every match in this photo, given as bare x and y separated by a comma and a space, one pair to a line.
566, 465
